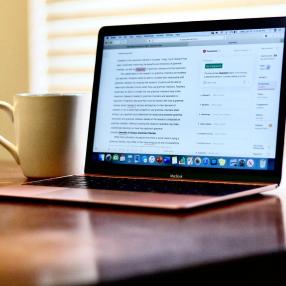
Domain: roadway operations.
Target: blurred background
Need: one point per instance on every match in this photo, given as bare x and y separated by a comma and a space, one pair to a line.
50, 45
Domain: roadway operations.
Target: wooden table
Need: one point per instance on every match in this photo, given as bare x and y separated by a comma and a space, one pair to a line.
60, 244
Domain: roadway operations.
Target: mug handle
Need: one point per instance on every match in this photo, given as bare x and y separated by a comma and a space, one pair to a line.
7, 107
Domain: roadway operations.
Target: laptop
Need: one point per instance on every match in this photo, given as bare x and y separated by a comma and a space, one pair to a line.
182, 115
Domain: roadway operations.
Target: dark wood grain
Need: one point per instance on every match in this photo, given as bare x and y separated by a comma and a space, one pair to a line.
58, 244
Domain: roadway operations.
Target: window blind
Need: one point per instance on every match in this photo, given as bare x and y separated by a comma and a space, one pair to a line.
64, 32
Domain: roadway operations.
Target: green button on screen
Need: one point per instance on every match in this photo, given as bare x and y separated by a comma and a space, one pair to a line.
213, 66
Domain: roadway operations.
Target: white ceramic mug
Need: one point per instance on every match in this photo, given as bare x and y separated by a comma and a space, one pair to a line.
51, 133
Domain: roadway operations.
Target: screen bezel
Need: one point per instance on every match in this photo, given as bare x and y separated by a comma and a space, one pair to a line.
94, 166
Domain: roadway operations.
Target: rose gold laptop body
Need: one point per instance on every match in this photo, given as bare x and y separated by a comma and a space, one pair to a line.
263, 180
121, 198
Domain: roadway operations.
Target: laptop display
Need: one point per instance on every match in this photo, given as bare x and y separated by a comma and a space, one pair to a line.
207, 99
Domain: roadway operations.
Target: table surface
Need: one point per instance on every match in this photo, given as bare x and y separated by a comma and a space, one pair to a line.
62, 244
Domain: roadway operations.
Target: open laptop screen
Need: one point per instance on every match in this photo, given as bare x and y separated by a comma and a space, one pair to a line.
199, 99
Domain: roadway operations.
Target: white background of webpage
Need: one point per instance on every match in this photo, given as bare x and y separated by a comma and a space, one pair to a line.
199, 100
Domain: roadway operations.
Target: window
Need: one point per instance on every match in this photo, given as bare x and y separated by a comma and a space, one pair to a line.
63, 34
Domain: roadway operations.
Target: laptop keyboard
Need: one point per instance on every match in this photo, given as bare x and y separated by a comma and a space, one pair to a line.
147, 186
